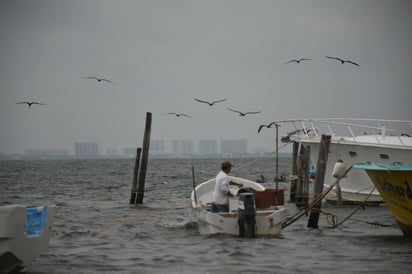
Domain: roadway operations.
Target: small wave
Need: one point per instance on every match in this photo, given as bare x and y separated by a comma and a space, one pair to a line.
179, 223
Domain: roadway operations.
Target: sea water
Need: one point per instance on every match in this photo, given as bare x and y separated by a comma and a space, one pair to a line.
96, 230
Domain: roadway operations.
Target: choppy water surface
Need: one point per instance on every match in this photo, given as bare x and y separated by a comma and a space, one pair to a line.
96, 230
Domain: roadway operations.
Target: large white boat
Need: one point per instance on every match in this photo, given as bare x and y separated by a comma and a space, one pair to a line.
24, 235
353, 141
247, 217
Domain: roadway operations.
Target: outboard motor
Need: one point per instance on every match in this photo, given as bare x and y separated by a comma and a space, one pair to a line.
247, 215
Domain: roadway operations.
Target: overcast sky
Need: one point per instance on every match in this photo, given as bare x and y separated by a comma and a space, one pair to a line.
161, 54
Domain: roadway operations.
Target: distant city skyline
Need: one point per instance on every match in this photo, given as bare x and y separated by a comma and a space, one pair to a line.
179, 149
160, 56
175, 147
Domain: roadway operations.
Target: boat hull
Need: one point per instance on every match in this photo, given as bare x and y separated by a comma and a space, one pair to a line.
268, 222
394, 184
22, 236
356, 186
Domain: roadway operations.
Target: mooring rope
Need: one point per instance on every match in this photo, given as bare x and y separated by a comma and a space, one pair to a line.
354, 211
332, 219
315, 201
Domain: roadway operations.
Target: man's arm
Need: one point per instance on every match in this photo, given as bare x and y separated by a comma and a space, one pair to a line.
235, 184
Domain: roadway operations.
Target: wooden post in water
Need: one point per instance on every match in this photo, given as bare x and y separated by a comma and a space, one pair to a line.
277, 156
294, 180
194, 184
305, 188
145, 157
320, 177
277, 166
135, 173
300, 171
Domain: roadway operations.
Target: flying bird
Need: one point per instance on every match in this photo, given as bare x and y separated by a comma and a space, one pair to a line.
267, 126
30, 103
243, 113
342, 61
99, 79
297, 60
210, 103
179, 114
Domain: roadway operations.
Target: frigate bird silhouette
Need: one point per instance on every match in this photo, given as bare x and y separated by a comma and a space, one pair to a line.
29, 104
343, 61
297, 60
99, 79
210, 103
267, 126
179, 114
244, 113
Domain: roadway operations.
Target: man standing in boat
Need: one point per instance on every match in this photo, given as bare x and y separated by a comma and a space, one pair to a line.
222, 192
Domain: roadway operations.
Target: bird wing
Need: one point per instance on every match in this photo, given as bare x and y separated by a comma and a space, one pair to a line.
92, 77
353, 63
37, 103
290, 61
172, 113
260, 128
252, 112
185, 115
234, 110
23, 103
336, 58
108, 81
214, 102
304, 59
201, 101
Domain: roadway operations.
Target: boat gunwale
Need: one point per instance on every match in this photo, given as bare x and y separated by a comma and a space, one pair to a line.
393, 167
309, 130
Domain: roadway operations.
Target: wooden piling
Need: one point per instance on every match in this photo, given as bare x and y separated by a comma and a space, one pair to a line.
135, 174
294, 180
305, 187
319, 180
145, 157
194, 184
300, 171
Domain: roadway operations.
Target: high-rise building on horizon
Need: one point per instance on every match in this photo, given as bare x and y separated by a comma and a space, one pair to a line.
157, 146
176, 147
183, 147
233, 147
207, 146
86, 150
187, 147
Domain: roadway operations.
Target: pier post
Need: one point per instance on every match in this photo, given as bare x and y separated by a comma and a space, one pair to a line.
145, 157
294, 180
319, 180
305, 188
300, 171
135, 173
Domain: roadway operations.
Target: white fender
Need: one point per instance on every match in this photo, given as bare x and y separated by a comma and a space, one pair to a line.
339, 169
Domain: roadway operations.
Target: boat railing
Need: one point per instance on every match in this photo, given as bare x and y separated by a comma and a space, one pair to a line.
313, 128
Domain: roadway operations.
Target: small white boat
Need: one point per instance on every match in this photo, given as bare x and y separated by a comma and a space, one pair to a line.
354, 141
265, 221
24, 235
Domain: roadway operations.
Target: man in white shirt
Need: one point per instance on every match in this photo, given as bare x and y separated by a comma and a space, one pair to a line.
222, 192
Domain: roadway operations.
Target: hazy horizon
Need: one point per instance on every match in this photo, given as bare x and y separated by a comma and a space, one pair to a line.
160, 55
